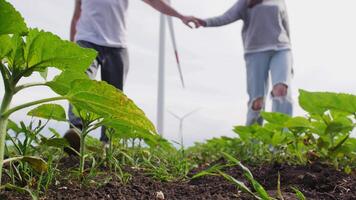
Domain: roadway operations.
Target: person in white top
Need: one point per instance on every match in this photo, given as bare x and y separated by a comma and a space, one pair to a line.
101, 25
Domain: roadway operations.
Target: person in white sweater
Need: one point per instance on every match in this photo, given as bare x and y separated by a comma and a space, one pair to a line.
101, 25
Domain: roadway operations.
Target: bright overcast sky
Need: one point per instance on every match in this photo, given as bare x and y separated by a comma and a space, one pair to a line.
323, 38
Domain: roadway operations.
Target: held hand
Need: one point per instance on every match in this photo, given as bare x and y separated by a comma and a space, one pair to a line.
191, 20
202, 23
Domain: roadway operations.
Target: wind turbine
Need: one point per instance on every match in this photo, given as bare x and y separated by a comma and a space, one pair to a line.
161, 67
181, 120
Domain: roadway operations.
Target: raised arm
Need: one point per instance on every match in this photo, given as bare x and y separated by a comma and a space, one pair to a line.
164, 8
233, 14
75, 18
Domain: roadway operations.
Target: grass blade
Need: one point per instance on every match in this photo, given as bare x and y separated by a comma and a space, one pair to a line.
239, 184
298, 193
211, 171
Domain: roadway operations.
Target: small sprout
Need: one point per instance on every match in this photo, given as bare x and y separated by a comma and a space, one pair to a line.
160, 195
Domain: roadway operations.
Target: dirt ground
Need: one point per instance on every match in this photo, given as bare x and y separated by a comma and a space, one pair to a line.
316, 181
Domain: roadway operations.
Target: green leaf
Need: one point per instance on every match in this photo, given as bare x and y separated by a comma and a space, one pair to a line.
62, 83
275, 118
44, 49
351, 142
336, 127
38, 164
246, 132
310, 102
49, 111
11, 21
107, 101
340, 143
231, 158
13, 126
16, 57
124, 131
278, 138
203, 173
55, 132
55, 142
260, 190
44, 73
319, 102
297, 122
5, 46
264, 135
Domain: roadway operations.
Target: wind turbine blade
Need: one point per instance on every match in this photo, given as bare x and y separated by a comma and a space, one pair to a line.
173, 37
190, 113
174, 115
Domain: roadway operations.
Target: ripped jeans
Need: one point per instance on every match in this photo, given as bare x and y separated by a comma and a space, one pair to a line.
258, 67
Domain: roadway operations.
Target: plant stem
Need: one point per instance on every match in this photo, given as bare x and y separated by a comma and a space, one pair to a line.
12, 110
28, 85
5, 76
82, 150
3, 126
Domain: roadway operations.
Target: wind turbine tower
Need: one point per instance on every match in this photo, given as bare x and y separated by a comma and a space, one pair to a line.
161, 67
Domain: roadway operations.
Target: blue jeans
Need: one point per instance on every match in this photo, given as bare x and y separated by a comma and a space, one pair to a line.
258, 67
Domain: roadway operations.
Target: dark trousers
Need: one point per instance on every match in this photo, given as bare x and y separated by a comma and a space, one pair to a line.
114, 64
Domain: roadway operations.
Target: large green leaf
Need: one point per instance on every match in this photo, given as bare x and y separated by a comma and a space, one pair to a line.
275, 118
49, 111
11, 21
246, 132
107, 101
5, 46
36, 163
264, 135
319, 102
44, 49
125, 131
62, 83
297, 122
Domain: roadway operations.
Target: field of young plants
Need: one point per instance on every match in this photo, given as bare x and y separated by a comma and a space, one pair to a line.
309, 157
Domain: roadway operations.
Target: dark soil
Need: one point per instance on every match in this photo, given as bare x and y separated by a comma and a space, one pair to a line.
316, 181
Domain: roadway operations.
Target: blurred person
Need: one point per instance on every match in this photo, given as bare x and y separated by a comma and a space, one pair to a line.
101, 25
267, 50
